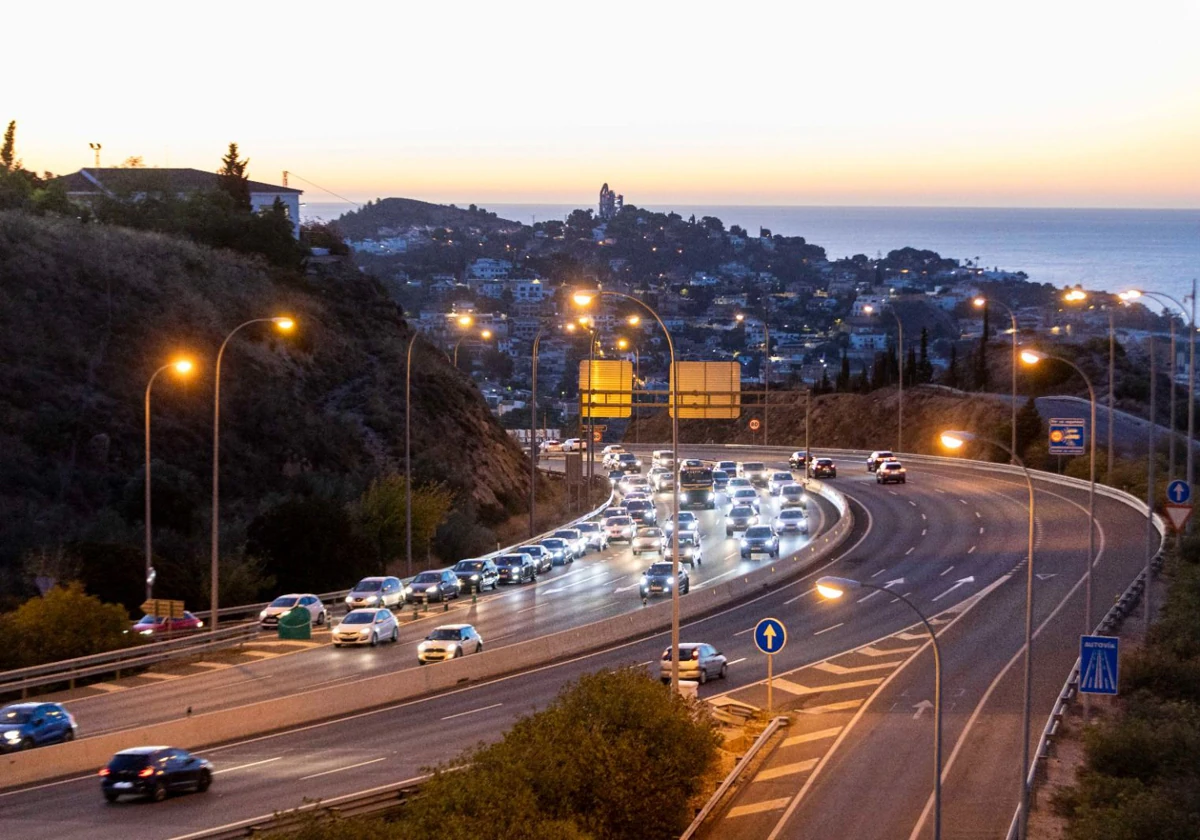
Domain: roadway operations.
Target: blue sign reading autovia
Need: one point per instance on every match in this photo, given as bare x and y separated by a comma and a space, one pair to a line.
1099, 659
1067, 435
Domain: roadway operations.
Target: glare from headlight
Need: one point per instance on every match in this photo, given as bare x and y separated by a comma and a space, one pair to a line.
13, 735
349, 599
474, 577
262, 614
372, 599
744, 543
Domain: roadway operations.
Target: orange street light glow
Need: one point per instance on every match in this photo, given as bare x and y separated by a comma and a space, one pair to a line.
1075, 295
1032, 357
183, 366
980, 301
284, 323
583, 298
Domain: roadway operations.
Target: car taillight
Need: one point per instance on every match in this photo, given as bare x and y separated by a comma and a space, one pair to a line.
145, 771
104, 771
696, 653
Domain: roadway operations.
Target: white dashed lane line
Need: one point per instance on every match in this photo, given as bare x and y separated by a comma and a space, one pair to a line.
827, 629
943, 574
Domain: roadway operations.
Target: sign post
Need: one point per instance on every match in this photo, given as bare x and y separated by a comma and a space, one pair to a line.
769, 637
1099, 663
162, 608
1179, 504
1067, 435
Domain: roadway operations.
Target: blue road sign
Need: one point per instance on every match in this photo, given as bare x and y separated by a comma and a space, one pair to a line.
1067, 435
1098, 661
770, 635
1178, 492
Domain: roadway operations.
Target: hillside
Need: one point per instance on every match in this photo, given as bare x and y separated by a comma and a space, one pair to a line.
89, 313
399, 214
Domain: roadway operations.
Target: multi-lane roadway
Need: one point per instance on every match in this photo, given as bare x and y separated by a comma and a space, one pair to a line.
947, 536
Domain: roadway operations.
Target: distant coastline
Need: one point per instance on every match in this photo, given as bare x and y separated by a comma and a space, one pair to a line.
1101, 249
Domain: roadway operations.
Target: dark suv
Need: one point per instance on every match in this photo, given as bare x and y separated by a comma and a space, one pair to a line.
543, 560
658, 580
476, 575
642, 511
516, 568
823, 468
154, 772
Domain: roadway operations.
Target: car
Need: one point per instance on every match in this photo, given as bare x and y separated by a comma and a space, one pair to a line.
690, 549
744, 496
161, 625
629, 462
688, 521
760, 539
449, 641
642, 511
368, 626
791, 521
609, 458
663, 458
720, 479
543, 560
690, 463
376, 592
737, 481
317, 614
615, 510
24, 726
798, 460
756, 471
739, 518
697, 661
658, 580
432, 586
516, 568
727, 467
550, 446
574, 445
778, 480
476, 575
878, 457
578, 543
611, 449
661, 479
633, 483
822, 468
620, 528
891, 471
615, 476
154, 772
561, 551
648, 540
793, 496
593, 535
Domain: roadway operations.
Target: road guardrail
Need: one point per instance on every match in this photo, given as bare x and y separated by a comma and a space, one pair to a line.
731, 779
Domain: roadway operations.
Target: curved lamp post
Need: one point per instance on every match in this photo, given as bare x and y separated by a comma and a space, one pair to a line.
955, 440
835, 587
584, 299
483, 334
1078, 295
982, 302
900, 367
624, 346
181, 367
282, 323
408, 453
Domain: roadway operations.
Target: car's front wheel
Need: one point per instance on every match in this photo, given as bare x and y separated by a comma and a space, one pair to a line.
703, 676
204, 782
724, 670
69, 735
322, 617
374, 639
395, 634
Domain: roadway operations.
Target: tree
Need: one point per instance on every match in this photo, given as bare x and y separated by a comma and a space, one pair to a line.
382, 517
65, 624
8, 150
843, 377
234, 181
309, 544
924, 367
951, 378
1029, 425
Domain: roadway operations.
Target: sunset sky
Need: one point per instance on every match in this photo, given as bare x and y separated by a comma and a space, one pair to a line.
1059, 103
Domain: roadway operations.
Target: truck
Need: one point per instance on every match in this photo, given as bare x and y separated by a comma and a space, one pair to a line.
696, 488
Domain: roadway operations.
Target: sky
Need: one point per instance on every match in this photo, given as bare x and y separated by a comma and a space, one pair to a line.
1052, 103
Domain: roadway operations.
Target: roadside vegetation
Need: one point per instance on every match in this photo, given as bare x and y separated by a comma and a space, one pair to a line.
614, 757
1141, 774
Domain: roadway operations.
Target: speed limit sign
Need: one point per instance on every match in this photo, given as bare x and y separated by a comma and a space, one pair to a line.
755, 425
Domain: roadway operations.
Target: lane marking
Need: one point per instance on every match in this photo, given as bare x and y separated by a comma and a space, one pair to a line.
244, 766
964, 501
871, 650
868, 596
341, 769
834, 707
943, 574
801, 595
473, 711
923, 516
827, 629
910, 551
877, 574
911, 502
811, 736
744, 632
924, 531
842, 670
736, 661
981, 529
803, 690
786, 770
971, 550
978, 515
758, 807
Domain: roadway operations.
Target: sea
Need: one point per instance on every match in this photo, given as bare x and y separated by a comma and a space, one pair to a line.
1102, 250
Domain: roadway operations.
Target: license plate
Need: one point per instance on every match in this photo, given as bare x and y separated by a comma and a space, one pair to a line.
123, 785
656, 589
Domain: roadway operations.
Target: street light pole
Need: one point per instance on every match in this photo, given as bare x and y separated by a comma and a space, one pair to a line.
284, 324
585, 299
834, 587
408, 454
983, 302
181, 366
955, 440
533, 455
1150, 488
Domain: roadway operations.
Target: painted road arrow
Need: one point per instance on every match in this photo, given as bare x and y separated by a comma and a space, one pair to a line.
958, 583
921, 707
895, 582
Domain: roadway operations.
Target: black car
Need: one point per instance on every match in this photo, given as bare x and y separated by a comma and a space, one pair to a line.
543, 560
690, 550
476, 575
823, 468
720, 479
642, 511
516, 568
799, 460
658, 580
154, 772
432, 586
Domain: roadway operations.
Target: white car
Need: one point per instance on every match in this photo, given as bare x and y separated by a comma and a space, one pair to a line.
756, 471
593, 532
366, 627
791, 521
285, 603
737, 481
697, 662
690, 463
793, 496
620, 528
744, 496
728, 467
688, 521
660, 478
634, 482
610, 456
649, 540
777, 481
549, 446
574, 445
663, 458
449, 641
376, 592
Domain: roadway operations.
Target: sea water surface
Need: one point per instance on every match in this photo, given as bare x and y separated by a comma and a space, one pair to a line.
1110, 250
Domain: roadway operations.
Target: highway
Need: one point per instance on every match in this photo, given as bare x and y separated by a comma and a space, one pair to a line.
944, 538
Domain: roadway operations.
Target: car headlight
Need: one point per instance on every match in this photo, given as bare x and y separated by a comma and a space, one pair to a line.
450, 648
670, 581
12, 735
372, 599
474, 577
645, 580
349, 599
262, 614
433, 588
745, 543
366, 631
422, 647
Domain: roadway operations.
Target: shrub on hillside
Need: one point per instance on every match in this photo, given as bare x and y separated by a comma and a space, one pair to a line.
64, 624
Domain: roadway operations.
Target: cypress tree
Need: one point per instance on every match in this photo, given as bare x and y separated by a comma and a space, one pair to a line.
234, 180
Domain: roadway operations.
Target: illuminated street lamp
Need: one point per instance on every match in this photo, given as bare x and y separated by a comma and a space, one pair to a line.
486, 335
981, 302
900, 367
283, 324
955, 441
181, 367
832, 588
1078, 295
585, 299
623, 344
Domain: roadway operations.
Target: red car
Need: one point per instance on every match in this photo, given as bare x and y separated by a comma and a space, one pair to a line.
160, 625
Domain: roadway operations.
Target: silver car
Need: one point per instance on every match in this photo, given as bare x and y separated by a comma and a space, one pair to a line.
285, 603
376, 592
747, 496
697, 661
791, 521
579, 543
543, 560
449, 641
777, 481
620, 528
594, 535
649, 540
793, 496
687, 522
366, 627
756, 471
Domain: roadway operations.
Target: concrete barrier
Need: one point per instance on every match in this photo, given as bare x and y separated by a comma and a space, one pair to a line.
198, 731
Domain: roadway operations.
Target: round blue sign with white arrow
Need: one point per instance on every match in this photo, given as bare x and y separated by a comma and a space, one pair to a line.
770, 635
1178, 492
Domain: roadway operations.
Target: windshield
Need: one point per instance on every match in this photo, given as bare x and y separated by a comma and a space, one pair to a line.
468, 566
588, 527
15, 715
445, 634
285, 601
745, 493
509, 560
754, 466
793, 490
532, 549
741, 512
783, 476
649, 532
357, 617
824, 462
659, 569
368, 585
758, 531
427, 577
619, 520
552, 542
566, 535
791, 514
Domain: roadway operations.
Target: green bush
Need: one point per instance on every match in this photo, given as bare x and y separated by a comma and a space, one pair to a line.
64, 624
